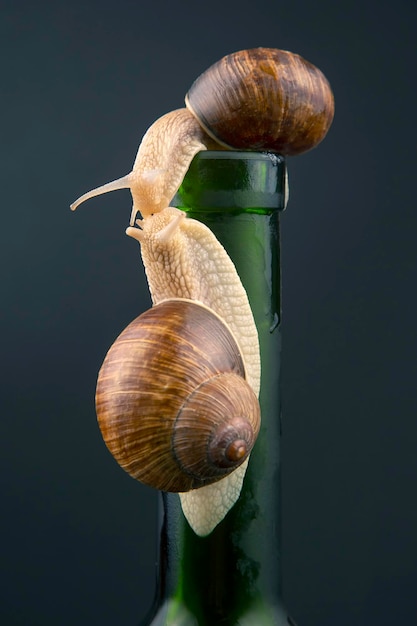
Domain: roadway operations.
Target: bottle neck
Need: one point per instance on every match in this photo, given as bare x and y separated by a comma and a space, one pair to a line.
233, 575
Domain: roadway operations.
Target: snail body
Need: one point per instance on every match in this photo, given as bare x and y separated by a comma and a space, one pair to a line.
183, 259
164, 155
260, 99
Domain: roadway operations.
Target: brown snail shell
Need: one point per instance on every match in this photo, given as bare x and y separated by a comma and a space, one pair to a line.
172, 402
263, 99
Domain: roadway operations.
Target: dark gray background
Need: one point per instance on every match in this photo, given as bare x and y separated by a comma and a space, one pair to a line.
80, 84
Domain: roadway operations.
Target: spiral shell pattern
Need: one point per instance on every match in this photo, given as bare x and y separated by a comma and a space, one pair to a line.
172, 401
263, 99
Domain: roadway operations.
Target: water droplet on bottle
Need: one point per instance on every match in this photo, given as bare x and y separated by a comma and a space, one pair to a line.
275, 323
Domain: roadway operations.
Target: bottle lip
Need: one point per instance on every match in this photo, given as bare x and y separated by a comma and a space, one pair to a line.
248, 155
236, 181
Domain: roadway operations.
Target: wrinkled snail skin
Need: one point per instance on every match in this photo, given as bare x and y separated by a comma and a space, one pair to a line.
166, 150
260, 99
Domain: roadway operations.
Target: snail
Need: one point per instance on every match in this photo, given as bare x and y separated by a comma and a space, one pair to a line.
261, 99
174, 250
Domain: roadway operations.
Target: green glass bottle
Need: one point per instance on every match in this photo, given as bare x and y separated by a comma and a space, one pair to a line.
233, 576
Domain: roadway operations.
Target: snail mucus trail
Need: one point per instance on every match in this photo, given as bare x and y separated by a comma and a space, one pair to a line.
193, 432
